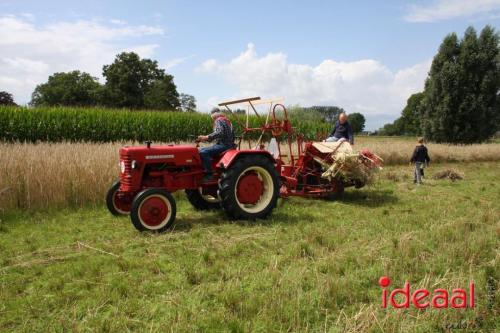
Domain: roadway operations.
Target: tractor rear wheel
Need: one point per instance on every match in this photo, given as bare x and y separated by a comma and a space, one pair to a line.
249, 189
116, 205
153, 209
202, 201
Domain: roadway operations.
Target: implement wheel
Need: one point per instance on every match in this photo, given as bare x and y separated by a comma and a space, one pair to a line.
249, 189
338, 191
154, 210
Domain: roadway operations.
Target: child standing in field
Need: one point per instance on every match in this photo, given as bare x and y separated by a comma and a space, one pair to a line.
420, 157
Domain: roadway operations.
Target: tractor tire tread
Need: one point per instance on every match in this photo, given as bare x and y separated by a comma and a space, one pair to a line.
109, 199
134, 212
227, 184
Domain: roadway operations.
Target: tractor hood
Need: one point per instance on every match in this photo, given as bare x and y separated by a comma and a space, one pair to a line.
181, 154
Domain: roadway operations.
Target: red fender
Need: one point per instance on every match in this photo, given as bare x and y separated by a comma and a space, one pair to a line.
232, 155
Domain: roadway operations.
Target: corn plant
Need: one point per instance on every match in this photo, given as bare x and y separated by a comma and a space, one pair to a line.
56, 124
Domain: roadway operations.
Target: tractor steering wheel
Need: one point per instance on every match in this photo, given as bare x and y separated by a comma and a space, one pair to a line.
195, 140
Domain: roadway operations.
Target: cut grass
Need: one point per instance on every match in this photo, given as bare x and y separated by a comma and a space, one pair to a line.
312, 267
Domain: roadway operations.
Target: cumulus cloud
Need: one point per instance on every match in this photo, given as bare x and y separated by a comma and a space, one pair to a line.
174, 62
447, 9
30, 53
365, 86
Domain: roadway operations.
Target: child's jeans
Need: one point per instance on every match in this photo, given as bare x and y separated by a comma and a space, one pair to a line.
418, 175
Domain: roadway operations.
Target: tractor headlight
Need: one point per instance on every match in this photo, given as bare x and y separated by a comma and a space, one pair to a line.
134, 165
122, 166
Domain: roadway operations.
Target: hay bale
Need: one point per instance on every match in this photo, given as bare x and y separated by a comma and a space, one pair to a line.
448, 174
347, 164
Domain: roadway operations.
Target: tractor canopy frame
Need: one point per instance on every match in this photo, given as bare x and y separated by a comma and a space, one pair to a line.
275, 122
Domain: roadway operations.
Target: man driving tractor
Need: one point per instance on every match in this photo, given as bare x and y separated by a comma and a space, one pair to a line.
224, 136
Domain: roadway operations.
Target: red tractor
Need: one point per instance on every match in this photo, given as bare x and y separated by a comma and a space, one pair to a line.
247, 181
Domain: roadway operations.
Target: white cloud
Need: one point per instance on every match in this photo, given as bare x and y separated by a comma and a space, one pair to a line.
365, 86
174, 62
117, 22
30, 53
448, 9
144, 51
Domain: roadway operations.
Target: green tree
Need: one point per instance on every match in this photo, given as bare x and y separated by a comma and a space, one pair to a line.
489, 69
162, 95
135, 83
357, 121
410, 120
72, 89
442, 90
461, 102
329, 114
391, 129
6, 98
187, 103
302, 113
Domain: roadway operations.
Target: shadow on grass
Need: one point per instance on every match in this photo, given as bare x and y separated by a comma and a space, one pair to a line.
213, 218
372, 198
283, 214
287, 211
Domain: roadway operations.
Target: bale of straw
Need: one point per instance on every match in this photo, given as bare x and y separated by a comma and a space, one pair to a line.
350, 165
448, 174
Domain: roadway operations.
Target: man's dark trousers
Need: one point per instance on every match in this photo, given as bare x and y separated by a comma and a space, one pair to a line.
207, 153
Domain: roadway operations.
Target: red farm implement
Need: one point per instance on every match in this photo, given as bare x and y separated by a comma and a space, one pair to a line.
269, 161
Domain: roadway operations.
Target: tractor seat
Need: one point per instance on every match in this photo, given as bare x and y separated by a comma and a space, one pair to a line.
222, 153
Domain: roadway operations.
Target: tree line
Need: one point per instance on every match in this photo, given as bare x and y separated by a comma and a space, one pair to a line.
328, 114
135, 83
460, 102
130, 82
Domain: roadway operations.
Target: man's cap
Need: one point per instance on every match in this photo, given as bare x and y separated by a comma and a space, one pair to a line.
215, 110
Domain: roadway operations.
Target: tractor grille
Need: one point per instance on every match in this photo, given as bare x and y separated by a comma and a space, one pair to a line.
126, 177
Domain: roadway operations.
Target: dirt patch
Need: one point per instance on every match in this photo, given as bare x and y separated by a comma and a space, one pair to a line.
450, 174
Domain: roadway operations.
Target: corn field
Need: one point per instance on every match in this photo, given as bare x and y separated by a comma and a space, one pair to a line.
59, 124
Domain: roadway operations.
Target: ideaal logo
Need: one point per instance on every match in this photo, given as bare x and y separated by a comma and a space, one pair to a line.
423, 298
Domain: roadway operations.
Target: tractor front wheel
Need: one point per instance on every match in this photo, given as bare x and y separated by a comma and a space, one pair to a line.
117, 205
249, 189
154, 210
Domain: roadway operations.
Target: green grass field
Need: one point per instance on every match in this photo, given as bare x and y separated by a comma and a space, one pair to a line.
312, 267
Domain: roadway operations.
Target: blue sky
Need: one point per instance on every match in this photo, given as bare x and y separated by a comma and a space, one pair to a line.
365, 56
